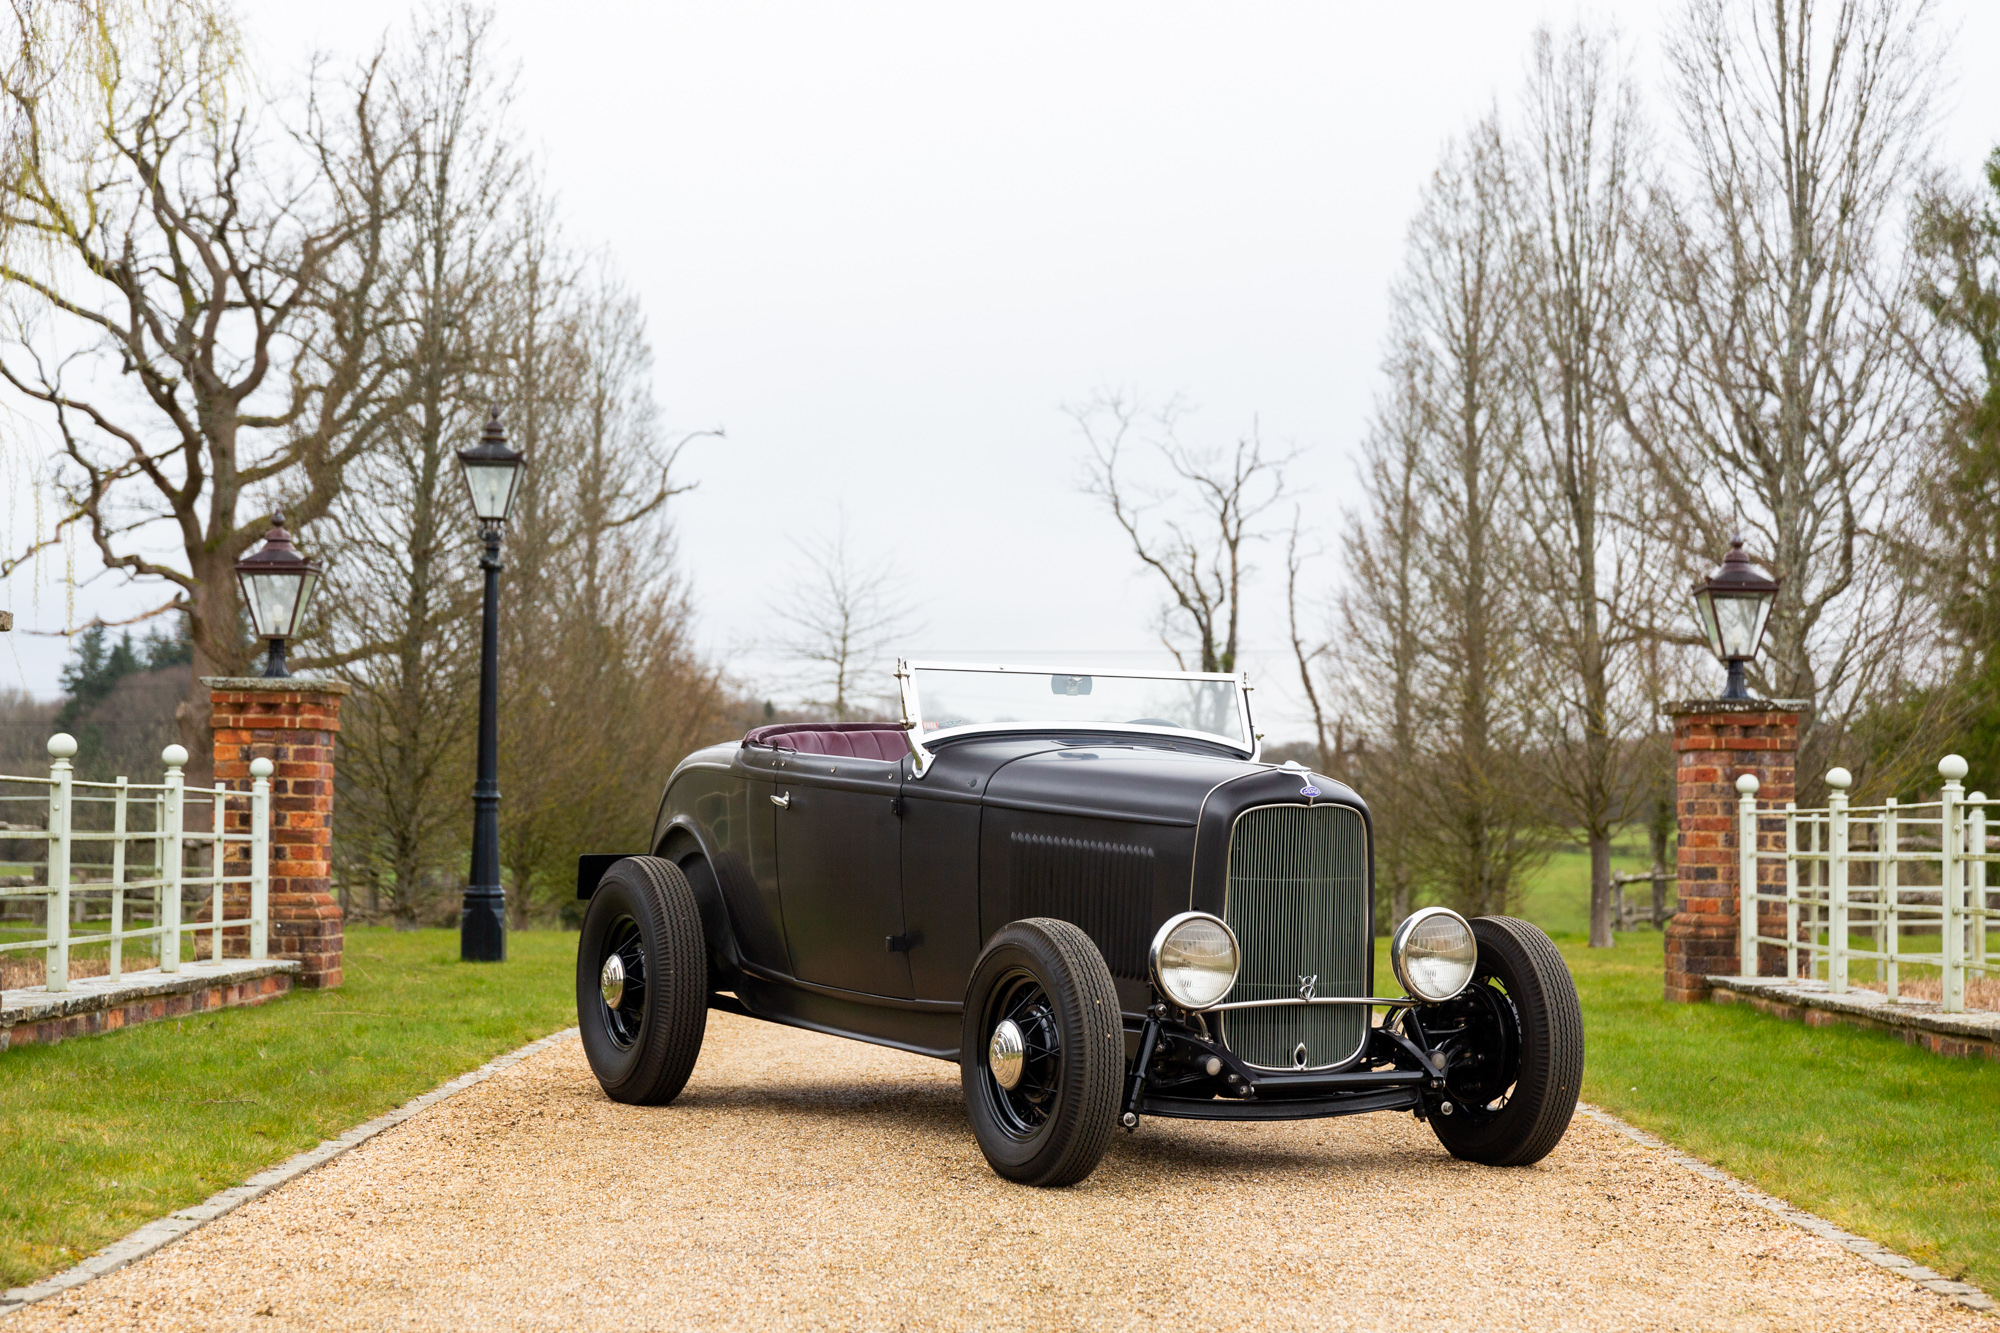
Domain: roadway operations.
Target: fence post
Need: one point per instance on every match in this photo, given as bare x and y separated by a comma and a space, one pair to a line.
1839, 779
170, 863
1950, 834
1746, 873
1975, 874
260, 855
118, 883
217, 900
1791, 891
1891, 891
55, 975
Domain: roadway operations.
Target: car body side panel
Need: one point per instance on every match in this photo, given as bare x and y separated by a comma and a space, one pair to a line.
933, 1032
840, 872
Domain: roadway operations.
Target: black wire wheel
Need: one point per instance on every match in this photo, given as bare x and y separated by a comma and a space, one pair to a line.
1512, 1042
621, 984
1042, 1053
642, 981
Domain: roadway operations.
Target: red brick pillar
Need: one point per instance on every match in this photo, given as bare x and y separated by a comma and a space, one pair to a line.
292, 722
1716, 741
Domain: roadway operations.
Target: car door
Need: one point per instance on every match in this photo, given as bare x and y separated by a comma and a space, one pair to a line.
840, 873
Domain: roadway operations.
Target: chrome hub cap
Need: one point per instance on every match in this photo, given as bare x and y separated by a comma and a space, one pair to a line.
1006, 1053
611, 981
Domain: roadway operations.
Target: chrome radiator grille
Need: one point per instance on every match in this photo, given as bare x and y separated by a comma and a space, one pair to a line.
1298, 902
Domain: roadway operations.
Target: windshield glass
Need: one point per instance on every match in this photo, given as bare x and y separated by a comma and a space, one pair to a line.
952, 697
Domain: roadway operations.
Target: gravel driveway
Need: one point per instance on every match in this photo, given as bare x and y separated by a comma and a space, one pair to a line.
804, 1181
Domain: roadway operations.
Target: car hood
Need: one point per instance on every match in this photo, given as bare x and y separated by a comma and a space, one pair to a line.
1142, 782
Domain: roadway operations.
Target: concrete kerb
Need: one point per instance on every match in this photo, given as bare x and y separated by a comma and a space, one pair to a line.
157, 1235
1881, 1255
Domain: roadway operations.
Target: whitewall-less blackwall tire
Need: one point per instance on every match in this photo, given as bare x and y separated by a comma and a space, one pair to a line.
1513, 1087
642, 981
1047, 1119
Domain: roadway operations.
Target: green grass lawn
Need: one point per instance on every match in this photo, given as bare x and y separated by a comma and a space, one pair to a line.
1887, 1140
99, 1135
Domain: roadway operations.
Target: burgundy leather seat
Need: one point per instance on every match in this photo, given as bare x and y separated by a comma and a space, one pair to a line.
853, 740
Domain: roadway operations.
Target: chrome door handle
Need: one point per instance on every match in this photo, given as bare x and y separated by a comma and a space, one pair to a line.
782, 802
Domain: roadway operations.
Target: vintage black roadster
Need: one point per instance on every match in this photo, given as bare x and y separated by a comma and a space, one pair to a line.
1086, 890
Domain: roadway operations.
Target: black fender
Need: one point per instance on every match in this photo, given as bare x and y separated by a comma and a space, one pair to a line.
683, 844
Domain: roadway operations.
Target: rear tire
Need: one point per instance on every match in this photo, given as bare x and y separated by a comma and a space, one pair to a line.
1047, 978
643, 1048
1514, 1084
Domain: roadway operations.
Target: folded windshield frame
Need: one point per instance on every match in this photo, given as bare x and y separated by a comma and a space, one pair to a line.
1247, 744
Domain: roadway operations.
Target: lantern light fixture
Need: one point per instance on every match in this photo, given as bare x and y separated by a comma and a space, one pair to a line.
1734, 605
492, 471
277, 585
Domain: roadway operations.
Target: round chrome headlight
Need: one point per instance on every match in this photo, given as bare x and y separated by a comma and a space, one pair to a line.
1194, 960
1433, 953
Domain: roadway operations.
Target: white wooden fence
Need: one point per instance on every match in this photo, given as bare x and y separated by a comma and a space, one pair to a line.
1889, 885
115, 853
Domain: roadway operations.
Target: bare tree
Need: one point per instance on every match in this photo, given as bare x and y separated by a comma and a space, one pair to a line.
201, 320
1589, 571
841, 615
403, 592
1382, 607
1309, 655
1778, 397
599, 675
1457, 353
1194, 527
1953, 558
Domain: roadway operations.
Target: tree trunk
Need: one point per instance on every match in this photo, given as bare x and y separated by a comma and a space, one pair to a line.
1600, 891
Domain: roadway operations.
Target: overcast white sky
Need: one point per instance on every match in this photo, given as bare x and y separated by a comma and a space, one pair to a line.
882, 244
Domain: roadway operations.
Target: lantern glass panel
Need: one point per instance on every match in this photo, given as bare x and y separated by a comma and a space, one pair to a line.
1740, 621
276, 601
1704, 605
492, 488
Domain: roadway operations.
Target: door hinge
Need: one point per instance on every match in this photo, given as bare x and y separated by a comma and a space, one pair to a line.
905, 943
896, 806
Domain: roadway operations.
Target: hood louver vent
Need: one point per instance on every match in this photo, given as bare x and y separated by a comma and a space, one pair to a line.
1106, 888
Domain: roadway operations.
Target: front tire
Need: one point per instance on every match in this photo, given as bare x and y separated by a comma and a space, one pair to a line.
1515, 1049
1047, 979
642, 981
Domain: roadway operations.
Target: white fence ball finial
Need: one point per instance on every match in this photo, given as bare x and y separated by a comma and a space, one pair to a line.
174, 756
1839, 779
62, 745
261, 768
1952, 767
1748, 784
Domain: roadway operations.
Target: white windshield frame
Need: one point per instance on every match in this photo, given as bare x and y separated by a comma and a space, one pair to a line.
920, 740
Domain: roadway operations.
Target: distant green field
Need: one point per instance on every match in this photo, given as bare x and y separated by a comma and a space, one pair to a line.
1556, 896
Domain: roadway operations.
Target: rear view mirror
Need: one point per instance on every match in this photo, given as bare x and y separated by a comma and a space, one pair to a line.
1069, 685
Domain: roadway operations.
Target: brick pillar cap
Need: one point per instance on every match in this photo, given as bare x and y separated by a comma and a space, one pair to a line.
1719, 707
279, 685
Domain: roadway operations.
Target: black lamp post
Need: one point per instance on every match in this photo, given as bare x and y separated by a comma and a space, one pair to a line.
1733, 605
492, 473
277, 583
